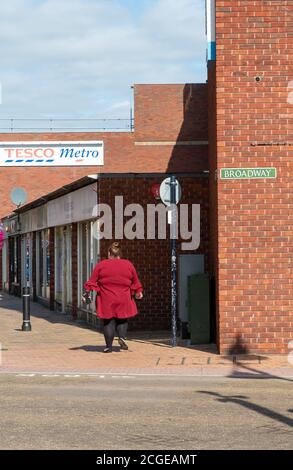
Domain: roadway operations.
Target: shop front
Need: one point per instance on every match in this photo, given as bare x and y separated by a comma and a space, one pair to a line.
63, 280
59, 247
60, 244
51, 248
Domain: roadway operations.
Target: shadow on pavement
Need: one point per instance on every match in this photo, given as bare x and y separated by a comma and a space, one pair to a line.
239, 347
257, 374
40, 311
90, 348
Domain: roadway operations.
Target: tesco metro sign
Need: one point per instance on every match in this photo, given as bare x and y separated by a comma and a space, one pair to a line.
51, 153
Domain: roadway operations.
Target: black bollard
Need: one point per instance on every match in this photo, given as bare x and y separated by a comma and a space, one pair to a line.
26, 326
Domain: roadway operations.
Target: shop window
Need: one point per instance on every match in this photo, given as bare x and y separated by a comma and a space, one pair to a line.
88, 256
13, 259
26, 254
63, 267
43, 264
14, 268
5, 266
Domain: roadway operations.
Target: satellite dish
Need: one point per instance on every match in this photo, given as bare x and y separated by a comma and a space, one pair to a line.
18, 196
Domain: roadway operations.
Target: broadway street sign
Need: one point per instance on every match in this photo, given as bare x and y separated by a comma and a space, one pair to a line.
247, 173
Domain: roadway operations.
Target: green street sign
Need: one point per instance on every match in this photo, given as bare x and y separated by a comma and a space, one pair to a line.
247, 173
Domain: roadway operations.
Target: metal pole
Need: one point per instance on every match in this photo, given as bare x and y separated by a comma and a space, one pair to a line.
173, 184
26, 326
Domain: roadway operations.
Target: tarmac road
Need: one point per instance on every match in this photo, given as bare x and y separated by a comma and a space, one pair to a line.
144, 412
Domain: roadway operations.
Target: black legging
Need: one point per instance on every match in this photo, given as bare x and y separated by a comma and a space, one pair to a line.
109, 329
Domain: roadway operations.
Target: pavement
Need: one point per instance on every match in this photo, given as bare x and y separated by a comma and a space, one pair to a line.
60, 391
144, 412
59, 345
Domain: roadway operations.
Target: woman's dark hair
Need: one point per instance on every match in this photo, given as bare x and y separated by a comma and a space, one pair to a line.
115, 250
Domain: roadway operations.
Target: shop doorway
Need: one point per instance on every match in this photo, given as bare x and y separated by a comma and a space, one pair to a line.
88, 256
188, 264
5, 266
14, 266
43, 267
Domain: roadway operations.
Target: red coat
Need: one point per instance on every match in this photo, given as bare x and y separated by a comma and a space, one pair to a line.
115, 281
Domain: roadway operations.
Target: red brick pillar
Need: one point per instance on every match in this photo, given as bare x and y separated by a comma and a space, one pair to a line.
213, 198
74, 255
52, 267
254, 130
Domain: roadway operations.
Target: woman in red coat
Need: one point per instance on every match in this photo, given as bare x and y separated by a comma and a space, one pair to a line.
116, 282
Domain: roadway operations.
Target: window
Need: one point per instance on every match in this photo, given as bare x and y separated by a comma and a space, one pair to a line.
26, 260
5, 266
13, 260
88, 256
63, 267
43, 264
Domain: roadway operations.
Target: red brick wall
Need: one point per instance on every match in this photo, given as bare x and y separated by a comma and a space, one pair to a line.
254, 38
152, 257
171, 112
212, 114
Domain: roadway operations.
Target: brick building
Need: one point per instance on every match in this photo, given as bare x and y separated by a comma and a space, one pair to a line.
250, 125
170, 136
51, 243
245, 114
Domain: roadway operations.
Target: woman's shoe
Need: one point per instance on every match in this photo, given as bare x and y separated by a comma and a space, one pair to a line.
122, 344
107, 350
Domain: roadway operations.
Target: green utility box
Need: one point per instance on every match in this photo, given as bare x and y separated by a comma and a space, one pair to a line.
199, 308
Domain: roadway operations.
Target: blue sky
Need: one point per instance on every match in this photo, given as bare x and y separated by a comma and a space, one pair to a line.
79, 58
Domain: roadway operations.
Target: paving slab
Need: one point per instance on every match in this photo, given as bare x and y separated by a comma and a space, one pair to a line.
58, 344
